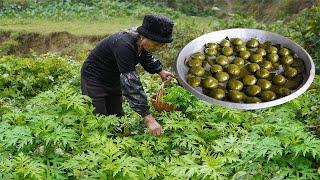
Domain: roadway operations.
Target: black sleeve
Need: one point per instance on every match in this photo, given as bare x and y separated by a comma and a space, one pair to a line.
131, 86
132, 89
149, 63
125, 55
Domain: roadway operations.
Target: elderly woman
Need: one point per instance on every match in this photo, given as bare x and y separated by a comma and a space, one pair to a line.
109, 71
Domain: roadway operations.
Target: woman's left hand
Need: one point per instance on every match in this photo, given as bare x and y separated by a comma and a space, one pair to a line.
166, 76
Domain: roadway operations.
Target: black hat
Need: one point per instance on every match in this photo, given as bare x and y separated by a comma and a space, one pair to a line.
157, 28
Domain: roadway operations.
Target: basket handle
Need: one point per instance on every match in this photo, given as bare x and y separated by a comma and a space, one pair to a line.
160, 93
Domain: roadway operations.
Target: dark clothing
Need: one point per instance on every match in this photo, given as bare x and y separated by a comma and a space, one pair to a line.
133, 90
117, 54
106, 101
112, 64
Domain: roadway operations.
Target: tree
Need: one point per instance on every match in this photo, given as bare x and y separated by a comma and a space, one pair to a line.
172, 3
229, 7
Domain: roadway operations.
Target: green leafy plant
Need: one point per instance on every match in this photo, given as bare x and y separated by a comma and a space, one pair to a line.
81, 9
178, 97
22, 78
57, 135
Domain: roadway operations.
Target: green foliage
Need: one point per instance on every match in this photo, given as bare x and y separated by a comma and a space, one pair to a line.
22, 166
305, 29
22, 78
179, 98
97, 9
69, 9
309, 108
56, 136
8, 45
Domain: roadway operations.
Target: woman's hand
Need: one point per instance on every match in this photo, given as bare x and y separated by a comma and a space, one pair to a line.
166, 76
153, 126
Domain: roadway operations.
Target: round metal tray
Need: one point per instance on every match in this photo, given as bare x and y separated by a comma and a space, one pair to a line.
245, 34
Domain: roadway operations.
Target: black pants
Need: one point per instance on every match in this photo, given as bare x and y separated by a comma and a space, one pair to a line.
106, 100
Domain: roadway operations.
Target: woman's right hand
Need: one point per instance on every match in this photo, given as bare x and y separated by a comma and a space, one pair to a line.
153, 126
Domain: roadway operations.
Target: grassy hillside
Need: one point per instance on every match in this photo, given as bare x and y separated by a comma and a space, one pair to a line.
85, 27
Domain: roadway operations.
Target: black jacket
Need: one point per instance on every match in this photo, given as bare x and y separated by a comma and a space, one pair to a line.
112, 63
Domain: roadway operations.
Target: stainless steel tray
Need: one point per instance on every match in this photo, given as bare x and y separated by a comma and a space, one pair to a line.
245, 34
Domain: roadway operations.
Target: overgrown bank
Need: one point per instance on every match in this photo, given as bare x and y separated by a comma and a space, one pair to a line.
25, 44
304, 29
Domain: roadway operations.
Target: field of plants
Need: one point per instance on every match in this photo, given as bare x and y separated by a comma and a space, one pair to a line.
48, 130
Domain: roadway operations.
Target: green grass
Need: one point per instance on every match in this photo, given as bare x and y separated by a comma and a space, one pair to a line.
76, 27
84, 27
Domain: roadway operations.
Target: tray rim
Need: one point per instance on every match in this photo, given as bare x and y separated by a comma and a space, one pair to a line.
244, 106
